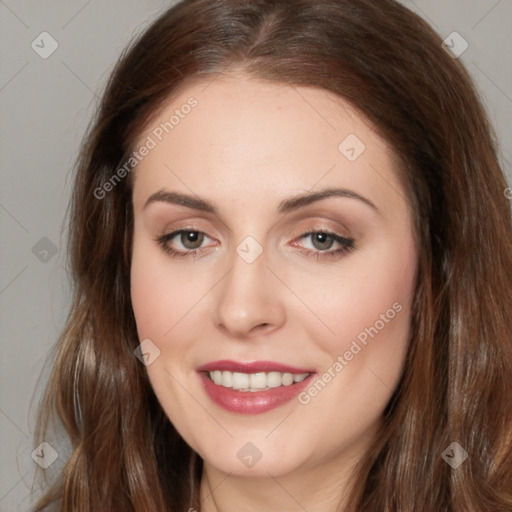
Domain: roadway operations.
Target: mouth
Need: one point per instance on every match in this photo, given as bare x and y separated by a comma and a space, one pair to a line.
252, 388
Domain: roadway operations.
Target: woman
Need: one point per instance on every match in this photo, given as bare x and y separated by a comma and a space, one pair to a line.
292, 255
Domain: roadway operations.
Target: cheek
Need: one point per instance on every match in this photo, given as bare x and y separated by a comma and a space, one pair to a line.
158, 296
366, 304
367, 296
163, 292
148, 308
369, 313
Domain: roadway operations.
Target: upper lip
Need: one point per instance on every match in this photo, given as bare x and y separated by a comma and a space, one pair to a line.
250, 367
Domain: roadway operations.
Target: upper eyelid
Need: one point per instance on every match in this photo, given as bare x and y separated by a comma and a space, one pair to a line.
303, 232
320, 225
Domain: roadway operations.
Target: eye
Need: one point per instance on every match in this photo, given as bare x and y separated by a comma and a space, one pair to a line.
190, 240
323, 240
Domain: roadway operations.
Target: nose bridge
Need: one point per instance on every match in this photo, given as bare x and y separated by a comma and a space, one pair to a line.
248, 297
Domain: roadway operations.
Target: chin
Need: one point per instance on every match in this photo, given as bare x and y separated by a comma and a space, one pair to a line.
253, 462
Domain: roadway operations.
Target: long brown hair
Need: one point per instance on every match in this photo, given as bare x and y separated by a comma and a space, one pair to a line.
456, 387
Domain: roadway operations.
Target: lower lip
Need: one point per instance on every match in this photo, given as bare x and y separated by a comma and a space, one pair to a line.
251, 402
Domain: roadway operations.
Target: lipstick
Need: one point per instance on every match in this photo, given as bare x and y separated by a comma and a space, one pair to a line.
252, 387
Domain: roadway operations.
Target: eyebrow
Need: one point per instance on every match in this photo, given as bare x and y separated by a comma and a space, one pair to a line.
286, 206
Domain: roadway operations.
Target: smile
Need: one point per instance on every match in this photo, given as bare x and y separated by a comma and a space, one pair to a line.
252, 388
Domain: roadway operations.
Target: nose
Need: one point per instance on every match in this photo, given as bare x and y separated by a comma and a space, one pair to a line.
248, 299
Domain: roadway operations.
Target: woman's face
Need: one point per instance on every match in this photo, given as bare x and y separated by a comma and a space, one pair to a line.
273, 272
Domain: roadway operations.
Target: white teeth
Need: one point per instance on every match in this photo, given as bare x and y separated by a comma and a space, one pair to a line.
258, 380
227, 379
255, 381
287, 379
273, 379
240, 380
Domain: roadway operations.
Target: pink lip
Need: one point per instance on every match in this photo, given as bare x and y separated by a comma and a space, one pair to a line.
250, 367
249, 402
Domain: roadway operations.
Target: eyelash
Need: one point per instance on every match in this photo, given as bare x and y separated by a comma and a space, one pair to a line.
347, 244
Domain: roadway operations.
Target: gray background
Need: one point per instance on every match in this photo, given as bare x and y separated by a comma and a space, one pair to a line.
45, 105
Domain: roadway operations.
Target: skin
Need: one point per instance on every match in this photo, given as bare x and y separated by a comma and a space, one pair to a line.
245, 147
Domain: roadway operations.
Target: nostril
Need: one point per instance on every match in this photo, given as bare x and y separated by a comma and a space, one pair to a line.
265, 327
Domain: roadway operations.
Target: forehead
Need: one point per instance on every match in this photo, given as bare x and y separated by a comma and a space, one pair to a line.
261, 137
